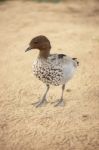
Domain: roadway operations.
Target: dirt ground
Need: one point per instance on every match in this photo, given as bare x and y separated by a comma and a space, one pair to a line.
73, 29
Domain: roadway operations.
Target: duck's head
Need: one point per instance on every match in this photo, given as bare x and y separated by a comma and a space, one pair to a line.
39, 42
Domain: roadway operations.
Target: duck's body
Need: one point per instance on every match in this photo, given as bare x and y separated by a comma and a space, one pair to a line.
56, 70
52, 69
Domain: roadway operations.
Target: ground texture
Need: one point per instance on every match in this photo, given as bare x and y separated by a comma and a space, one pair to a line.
73, 29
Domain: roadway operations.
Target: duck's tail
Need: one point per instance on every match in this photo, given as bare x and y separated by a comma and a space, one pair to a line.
75, 59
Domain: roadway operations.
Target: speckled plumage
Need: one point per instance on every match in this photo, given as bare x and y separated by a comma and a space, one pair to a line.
52, 69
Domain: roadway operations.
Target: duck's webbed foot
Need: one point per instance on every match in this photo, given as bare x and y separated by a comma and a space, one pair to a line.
43, 101
40, 103
59, 102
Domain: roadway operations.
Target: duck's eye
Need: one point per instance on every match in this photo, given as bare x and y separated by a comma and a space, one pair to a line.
35, 42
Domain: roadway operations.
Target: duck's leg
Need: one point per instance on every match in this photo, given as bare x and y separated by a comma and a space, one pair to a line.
60, 102
43, 100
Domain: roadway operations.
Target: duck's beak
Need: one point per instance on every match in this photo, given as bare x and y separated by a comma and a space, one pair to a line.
28, 49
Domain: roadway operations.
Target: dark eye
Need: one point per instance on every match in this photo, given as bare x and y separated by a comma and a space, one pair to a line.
35, 42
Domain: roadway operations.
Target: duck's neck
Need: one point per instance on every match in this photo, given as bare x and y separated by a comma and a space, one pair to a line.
44, 54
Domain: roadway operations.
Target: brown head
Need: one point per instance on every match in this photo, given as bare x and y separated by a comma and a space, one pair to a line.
42, 43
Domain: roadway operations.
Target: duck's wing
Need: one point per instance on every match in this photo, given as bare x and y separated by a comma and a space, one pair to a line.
61, 59
56, 56
56, 59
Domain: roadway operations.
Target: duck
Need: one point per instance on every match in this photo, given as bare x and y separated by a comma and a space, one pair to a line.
51, 69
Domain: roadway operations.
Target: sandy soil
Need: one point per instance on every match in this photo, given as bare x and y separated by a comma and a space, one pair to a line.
73, 29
